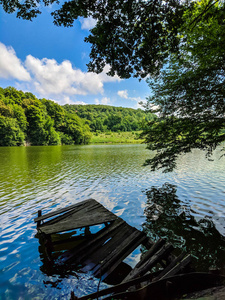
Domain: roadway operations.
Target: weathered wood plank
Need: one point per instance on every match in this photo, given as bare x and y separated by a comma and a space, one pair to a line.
79, 211
121, 247
170, 266
61, 210
179, 285
73, 221
105, 250
151, 252
79, 254
159, 255
110, 266
181, 265
117, 288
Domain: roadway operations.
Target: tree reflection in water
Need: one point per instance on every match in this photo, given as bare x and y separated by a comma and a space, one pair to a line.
168, 217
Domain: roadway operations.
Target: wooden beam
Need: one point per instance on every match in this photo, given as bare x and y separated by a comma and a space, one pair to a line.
170, 266
75, 221
39, 215
119, 254
151, 251
159, 255
177, 268
117, 288
104, 251
90, 246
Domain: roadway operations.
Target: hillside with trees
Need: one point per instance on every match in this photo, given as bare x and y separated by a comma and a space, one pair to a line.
26, 120
110, 118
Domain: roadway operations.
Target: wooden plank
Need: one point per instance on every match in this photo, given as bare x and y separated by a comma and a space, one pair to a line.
105, 250
178, 267
179, 285
61, 210
92, 245
170, 266
151, 252
111, 265
74, 222
148, 243
81, 209
122, 246
159, 255
117, 288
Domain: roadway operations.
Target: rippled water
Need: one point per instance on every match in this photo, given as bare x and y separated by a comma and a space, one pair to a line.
47, 178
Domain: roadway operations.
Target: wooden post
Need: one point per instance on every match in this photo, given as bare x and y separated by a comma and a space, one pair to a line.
87, 230
39, 215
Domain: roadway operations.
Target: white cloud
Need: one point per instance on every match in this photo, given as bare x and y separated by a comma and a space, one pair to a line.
138, 100
123, 94
51, 78
104, 100
68, 100
87, 23
11, 66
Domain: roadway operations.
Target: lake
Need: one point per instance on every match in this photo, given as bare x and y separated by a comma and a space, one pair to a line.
52, 177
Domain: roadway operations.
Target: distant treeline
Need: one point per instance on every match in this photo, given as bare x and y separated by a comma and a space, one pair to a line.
26, 120
110, 118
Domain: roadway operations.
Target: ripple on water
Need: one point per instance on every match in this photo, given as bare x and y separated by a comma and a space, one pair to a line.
48, 178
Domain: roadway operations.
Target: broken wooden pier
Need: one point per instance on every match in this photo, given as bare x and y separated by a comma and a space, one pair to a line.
103, 251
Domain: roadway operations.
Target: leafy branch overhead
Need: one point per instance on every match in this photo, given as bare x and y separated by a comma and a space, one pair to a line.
133, 37
178, 46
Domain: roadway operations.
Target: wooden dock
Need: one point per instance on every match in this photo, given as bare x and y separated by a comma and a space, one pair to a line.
104, 251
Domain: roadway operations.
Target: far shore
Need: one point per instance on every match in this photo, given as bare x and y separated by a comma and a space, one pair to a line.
129, 137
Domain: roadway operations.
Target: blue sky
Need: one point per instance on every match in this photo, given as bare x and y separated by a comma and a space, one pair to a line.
50, 62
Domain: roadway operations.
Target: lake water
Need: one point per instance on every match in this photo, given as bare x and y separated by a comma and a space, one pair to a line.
48, 178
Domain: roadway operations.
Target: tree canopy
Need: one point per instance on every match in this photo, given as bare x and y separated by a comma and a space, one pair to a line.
189, 94
177, 45
134, 37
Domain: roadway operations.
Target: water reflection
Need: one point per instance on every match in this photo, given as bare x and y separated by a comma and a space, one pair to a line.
170, 218
53, 177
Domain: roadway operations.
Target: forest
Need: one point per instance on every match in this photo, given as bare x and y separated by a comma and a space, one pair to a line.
27, 120
110, 118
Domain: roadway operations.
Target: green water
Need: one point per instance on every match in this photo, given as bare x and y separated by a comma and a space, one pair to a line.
47, 178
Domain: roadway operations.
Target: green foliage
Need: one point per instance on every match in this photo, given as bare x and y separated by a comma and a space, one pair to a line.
104, 118
25, 119
189, 94
10, 132
132, 37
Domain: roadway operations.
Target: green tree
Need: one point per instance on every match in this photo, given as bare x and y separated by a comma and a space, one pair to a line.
133, 37
10, 132
55, 111
36, 133
189, 95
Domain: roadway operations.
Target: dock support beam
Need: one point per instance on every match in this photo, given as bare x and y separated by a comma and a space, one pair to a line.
39, 215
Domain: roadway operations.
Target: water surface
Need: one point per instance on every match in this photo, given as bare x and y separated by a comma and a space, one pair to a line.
52, 177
